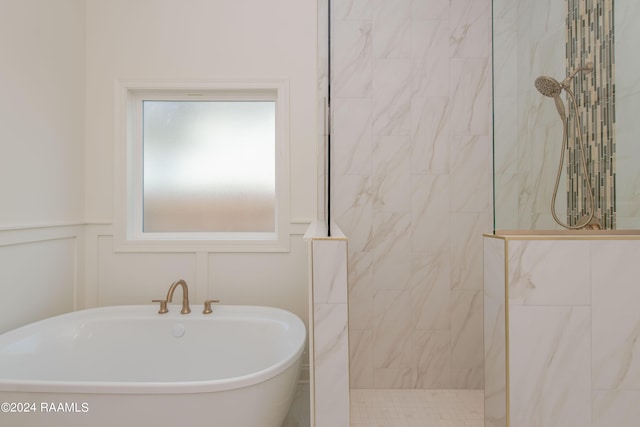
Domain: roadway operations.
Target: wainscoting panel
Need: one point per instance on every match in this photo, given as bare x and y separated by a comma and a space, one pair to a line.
39, 273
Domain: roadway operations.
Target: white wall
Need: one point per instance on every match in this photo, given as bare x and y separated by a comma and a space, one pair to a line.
200, 39
41, 111
60, 62
41, 160
197, 39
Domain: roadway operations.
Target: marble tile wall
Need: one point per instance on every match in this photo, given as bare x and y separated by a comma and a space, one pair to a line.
616, 333
411, 185
571, 329
549, 333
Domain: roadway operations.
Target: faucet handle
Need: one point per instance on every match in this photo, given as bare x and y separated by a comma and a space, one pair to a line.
163, 305
207, 306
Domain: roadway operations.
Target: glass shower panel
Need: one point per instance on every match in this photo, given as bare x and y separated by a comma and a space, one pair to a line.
560, 40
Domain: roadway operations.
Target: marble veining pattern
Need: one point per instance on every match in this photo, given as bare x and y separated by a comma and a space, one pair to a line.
466, 254
352, 58
616, 323
430, 292
616, 408
569, 310
430, 57
430, 135
412, 114
330, 269
391, 35
331, 365
549, 364
535, 267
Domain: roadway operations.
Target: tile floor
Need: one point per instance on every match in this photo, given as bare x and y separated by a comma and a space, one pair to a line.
417, 408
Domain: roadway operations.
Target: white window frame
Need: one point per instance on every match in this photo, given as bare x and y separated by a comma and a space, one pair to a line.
128, 233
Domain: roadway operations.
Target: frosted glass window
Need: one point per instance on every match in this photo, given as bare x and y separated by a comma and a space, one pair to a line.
208, 166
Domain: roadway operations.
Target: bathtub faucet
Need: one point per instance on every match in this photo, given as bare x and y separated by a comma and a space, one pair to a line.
185, 298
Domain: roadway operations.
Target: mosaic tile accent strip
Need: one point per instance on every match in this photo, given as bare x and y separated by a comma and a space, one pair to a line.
590, 38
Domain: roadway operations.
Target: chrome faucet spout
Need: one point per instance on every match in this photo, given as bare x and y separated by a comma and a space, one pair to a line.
185, 295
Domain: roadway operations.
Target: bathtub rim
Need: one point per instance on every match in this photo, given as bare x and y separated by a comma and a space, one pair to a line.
160, 387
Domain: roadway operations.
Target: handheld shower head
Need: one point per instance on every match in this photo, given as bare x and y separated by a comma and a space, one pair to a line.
548, 86
551, 88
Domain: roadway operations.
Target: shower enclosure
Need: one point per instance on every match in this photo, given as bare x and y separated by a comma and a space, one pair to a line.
411, 186
533, 39
560, 306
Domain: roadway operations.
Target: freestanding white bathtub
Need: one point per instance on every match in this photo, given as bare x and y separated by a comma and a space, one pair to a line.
130, 366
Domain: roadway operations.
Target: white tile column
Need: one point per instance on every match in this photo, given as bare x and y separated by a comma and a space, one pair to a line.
329, 329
